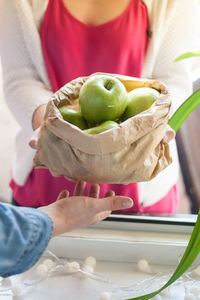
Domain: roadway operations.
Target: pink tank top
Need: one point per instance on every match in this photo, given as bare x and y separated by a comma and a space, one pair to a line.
72, 49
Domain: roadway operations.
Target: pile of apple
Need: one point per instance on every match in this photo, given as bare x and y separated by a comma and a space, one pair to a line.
104, 103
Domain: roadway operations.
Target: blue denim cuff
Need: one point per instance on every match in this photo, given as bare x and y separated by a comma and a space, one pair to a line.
37, 229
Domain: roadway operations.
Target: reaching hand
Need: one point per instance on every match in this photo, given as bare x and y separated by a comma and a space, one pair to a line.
79, 211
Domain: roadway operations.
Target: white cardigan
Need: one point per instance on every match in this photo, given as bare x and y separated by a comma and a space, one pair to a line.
26, 86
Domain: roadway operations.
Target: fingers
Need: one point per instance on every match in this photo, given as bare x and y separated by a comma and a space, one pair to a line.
169, 135
94, 191
110, 193
113, 203
63, 194
34, 139
33, 143
79, 188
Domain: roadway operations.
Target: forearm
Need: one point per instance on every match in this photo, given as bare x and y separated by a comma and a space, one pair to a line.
24, 235
24, 100
25, 81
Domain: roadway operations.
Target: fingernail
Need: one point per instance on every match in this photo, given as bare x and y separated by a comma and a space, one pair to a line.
32, 144
63, 194
127, 203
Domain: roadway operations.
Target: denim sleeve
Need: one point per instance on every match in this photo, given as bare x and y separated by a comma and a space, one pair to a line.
24, 235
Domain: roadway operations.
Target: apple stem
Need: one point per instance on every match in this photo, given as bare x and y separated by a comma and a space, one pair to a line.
108, 85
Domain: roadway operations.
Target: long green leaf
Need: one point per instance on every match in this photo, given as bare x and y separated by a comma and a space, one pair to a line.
193, 248
184, 110
190, 254
188, 55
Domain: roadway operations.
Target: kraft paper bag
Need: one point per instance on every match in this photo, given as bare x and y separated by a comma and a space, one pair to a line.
133, 152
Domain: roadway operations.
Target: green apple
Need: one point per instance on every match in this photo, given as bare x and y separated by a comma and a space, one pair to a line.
102, 98
74, 117
139, 100
102, 127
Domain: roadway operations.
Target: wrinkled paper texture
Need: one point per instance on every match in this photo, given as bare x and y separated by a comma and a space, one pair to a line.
133, 152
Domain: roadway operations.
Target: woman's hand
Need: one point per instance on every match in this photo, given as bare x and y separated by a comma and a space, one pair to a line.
79, 211
169, 135
33, 144
34, 139
38, 116
37, 120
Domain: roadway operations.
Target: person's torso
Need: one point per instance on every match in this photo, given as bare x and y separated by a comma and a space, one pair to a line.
72, 48
67, 43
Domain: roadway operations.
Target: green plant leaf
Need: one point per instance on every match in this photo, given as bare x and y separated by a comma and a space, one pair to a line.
188, 55
190, 254
184, 110
193, 248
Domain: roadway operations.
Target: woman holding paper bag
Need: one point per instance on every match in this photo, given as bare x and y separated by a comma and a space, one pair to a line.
56, 41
